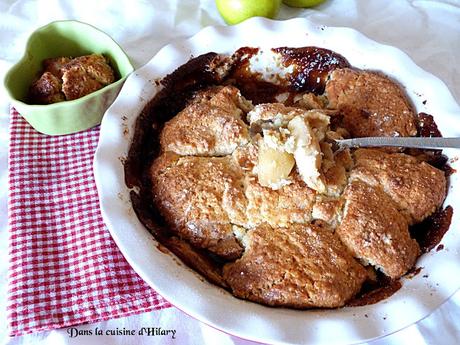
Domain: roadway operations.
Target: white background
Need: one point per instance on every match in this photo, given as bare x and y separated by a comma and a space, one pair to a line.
429, 31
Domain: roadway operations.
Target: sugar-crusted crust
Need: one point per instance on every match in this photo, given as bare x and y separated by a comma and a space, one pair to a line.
199, 197
417, 188
95, 65
289, 204
328, 209
85, 74
371, 104
211, 125
300, 266
374, 230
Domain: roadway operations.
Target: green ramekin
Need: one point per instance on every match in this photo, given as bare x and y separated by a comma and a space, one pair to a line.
65, 38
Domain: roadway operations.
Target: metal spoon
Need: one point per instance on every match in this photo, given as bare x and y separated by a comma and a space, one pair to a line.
415, 142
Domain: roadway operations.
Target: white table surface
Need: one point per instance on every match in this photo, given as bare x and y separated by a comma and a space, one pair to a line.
429, 31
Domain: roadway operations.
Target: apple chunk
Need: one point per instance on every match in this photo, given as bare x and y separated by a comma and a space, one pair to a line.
273, 165
307, 153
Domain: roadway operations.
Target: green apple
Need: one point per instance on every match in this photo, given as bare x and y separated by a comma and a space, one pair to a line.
235, 11
303, 3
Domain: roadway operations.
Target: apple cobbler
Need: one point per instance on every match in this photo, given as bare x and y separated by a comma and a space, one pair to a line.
66, 78
253, 192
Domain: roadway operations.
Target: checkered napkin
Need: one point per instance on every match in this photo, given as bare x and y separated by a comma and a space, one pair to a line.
64, 267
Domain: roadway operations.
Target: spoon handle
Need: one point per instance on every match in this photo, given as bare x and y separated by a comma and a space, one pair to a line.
415, 142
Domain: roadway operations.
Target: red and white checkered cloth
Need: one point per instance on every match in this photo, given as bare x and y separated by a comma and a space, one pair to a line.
64, 267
